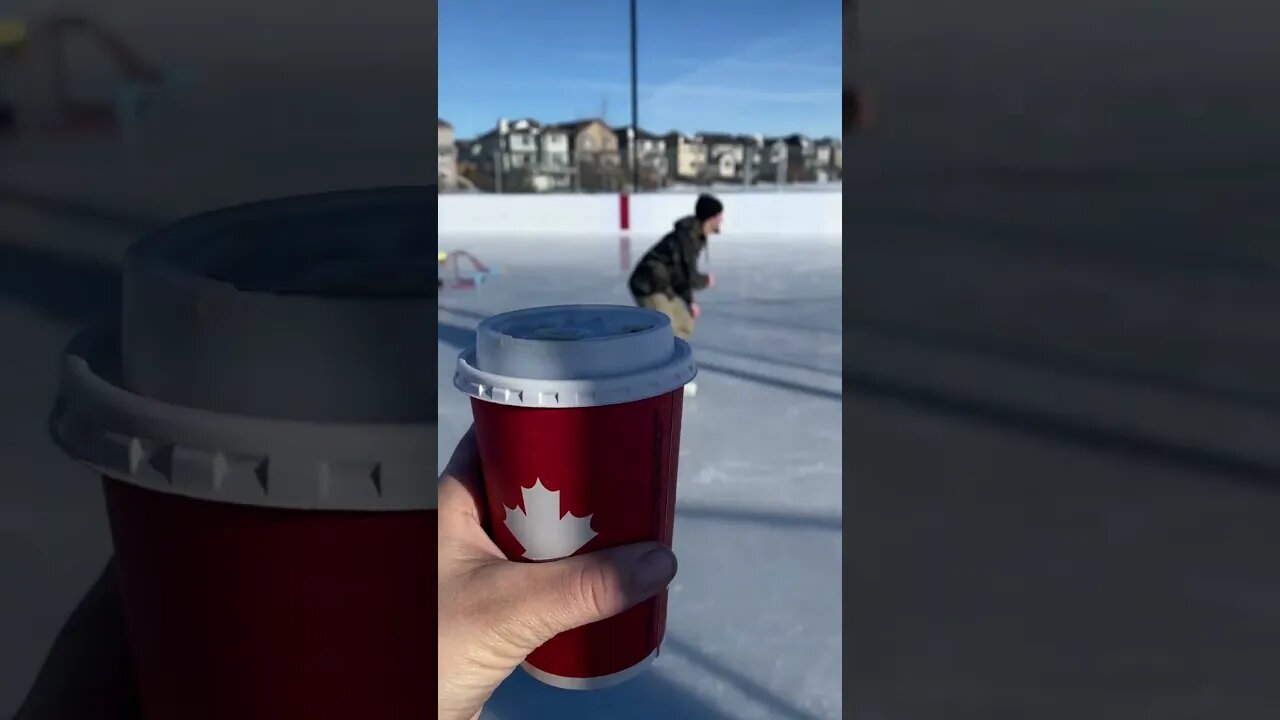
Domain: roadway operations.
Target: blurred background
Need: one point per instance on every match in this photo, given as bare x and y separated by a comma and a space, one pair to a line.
162, 110
1061, 291
247, 99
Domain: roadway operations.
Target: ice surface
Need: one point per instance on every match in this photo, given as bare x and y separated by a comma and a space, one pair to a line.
755, 614
754, 624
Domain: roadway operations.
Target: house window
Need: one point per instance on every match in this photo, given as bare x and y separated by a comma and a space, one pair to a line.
588, 143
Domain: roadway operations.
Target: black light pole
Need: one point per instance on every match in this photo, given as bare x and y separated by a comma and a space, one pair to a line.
635, 129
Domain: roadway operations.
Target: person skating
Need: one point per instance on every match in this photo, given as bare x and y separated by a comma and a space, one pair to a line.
667, 276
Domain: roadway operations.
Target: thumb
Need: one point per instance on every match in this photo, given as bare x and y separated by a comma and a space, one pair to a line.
583, 589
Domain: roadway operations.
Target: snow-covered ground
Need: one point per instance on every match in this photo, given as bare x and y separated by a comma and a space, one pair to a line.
755, 615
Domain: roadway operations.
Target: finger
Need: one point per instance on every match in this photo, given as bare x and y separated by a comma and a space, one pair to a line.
461, 498
569, 593
464, 464
88, 671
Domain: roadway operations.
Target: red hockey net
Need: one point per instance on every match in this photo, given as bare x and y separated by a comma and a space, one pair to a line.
462, 270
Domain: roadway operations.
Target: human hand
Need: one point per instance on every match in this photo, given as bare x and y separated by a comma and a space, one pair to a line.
695, 310
88, 674
494, 612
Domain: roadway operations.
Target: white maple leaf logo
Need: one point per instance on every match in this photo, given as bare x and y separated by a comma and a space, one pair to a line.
542, 529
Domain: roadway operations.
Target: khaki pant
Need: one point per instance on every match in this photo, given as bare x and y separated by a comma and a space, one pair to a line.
674, 308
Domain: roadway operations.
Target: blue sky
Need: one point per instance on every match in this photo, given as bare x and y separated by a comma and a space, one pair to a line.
742, 66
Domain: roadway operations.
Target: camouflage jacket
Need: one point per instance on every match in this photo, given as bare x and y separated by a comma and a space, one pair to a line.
671, 266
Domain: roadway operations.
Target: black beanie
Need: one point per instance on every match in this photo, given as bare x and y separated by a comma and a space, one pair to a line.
707, 207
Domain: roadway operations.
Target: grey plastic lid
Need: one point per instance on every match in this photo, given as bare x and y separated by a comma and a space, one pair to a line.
234, 458
276, 354
574, 356
317, 307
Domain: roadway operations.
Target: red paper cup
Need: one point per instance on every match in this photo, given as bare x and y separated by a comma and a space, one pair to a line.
577, 413
266, 613
267, 469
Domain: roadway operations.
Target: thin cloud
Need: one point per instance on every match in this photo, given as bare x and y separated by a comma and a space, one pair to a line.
749, 95
708, 74
796, 63
730, 85
787, 65
681, 90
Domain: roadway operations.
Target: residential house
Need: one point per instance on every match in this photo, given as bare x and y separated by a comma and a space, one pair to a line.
651, 154
511, 144
686, 156
470, 174
593, 149
825, 152
467, 151
511, 153
801, 158
773, 165
555, 162
446, 156
726, 155
753, 158
591, 142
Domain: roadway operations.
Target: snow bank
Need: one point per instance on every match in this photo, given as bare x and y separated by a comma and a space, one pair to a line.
769, 213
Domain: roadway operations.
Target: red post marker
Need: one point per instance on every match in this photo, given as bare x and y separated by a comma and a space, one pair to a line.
624, 253
577, 413
624, 224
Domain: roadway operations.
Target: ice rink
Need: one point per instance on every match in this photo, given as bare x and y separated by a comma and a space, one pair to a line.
1061, 477
754, 624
